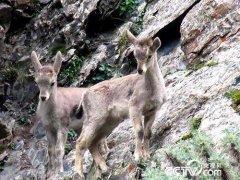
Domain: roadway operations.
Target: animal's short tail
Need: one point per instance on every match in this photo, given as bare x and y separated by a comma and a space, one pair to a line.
77, 112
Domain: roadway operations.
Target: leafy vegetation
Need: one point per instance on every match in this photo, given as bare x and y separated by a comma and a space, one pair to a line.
10, 75
31, 108
2, 162
127, 7
232, 137
204, 64
103, 72
231, 140
137, 26
234, 95
122, 42
12, 146
72, 71
59, 47
155, 174
195, 123
25, 120
67, 148
187, 136
35, 1
118, 74
2, 148
142, 164
211, 63
72, 137
201, 149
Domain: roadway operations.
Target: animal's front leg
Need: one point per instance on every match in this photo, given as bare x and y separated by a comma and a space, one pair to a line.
137, 124
51, 166
61, 141
148, 121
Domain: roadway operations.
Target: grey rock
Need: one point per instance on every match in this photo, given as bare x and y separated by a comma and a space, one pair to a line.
207, 26
5, 16
38, 130
161, 13
44, 1
90, 66
6, 125
191, 93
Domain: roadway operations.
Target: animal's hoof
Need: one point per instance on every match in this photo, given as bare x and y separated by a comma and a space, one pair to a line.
78, 176
79, 173
146, 155
50, 177
106, 171
137, 157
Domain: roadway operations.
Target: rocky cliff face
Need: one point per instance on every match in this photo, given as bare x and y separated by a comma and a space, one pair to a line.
199, 58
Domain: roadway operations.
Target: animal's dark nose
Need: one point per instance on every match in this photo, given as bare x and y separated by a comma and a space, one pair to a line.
43, 98
140, 71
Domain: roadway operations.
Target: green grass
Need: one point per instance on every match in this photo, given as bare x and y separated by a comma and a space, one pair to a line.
234, 95
195, 123
200, 148
232, 137
187, 136
204, 64
122, 42
211, 63
155, 174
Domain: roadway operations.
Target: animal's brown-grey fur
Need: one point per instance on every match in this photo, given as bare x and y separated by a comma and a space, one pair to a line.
108, 103
54, 108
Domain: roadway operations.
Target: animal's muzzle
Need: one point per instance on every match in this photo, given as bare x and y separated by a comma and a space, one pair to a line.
140, 71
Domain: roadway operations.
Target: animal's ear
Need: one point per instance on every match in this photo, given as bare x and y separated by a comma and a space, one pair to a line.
156, 44
36, 64
58, 62
131, 38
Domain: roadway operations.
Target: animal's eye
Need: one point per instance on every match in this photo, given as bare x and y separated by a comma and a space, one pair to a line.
149, 56
52, 84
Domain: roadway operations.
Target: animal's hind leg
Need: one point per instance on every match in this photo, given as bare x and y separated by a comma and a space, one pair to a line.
148, 121
103, 147
81, 147
83, 142
99, 160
